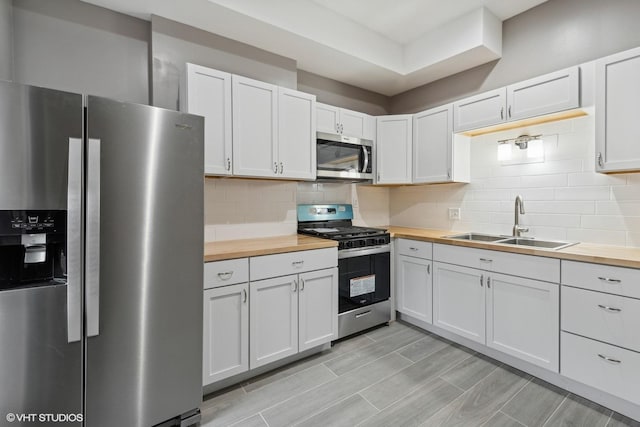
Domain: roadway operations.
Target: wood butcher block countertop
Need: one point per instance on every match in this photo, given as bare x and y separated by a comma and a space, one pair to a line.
230, 249
588, 252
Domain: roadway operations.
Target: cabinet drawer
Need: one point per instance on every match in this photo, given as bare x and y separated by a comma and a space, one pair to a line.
609, 318
603, 278
266, 266
584, 360
414, 248
468, 257
229, 272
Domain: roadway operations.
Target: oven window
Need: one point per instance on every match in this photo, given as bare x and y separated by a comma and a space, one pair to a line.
336, 156
363, 281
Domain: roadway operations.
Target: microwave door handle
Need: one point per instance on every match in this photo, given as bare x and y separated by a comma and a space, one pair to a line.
74, 241
366, 159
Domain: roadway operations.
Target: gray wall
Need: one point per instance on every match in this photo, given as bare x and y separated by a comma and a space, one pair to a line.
174, 44
554, 35
6, 40
343, 95
75, 46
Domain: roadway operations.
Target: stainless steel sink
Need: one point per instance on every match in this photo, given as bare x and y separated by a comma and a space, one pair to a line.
478, 237
516, 241
547, 244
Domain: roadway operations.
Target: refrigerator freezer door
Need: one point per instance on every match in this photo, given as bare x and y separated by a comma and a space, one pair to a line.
145, 364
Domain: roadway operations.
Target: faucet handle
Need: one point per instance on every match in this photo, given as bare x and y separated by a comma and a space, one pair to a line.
523, 229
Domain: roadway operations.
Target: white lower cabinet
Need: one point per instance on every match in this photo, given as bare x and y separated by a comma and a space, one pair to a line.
273, 317
459, 301
226, 332
291, 314
414, 287
523, 319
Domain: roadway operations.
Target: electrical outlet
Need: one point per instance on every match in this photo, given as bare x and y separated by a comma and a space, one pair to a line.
454, 214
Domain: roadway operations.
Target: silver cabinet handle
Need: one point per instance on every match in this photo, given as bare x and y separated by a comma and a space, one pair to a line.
92, 264
74, 239
281, 168
485, 260
488, 281
275, 167
226, 275
301, 284
341, 128
244, 295
365, 153
509, 111
600, 160
610, 309
228, 164
297, 263
428, 268
337, 127
363, 314
295, 286
449, 173
502, 113
609, 359
608, 280
378, 176
481, 280
413, 249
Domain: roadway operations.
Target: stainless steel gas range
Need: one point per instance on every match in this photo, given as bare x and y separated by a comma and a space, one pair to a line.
364, 264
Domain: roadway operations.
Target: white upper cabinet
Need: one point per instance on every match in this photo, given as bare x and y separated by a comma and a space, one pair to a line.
481, 110
296, 134
255, 124
544, 95
209, 95
438, 156
550, 93
617, 112
394, 141
346, 122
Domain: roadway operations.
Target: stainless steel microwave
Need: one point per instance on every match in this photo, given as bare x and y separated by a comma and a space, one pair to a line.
344, 158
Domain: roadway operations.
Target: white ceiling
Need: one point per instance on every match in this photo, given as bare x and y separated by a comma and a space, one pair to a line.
381, 45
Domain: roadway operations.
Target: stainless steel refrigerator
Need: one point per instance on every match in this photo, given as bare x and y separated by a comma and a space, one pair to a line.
101, 259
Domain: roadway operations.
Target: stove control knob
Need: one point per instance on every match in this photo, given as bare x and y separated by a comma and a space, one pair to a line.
382, 241
362, 242
348, 244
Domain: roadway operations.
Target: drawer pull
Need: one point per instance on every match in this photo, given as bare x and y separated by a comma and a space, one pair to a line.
363, 314
485, 260
481, 279
226, 275
610, 309
297, 263
244, 295
413, 249
608, 280
295, 286
609, 359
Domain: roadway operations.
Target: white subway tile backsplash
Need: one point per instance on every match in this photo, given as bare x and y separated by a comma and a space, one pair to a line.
628, 192
532, 194
610, 222
604, 237
556, 180
552, 220
557, 206
583, 193
590, 179
625, 208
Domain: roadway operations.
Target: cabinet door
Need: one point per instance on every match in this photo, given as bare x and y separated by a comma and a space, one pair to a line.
254, 128
327, 117
273, 320
479, 111
318, 308
432, 145
394, 139
618, 109
458, 300
414, 287
209, 95
296, 134
352, 123
523, 319
226, 332
544, 95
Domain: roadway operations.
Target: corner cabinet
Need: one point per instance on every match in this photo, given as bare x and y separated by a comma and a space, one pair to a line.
208, 94
550, 93
393, 149
438, 154
617, 107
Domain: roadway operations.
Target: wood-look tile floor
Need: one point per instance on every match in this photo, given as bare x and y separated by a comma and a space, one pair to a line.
398, 375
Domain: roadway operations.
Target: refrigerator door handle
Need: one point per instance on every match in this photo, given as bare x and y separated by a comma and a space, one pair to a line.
74, 241
92, 264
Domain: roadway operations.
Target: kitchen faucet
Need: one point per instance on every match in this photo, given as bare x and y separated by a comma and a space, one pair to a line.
519, 210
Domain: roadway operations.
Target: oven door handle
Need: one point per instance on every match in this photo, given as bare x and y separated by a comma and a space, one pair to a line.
371, 250
365, 152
